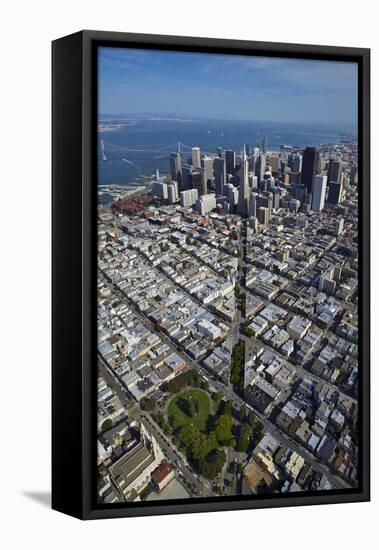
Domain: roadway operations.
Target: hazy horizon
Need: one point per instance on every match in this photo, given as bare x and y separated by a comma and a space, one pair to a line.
229, 87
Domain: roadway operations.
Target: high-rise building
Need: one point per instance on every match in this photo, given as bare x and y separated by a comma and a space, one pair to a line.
274, 162
247, 149
300, 192
319, 191
354, 174
186, 177
232, 195
198, 181
207, 166
230, 159
176, 168
275, 198
161, 190
334, 171
219, 167
294, 205
264, 145
309, 167
338, 226
297, 163
335, 192
206, 203
196, 157
188, 198
219, 151
253, 205
260, 165
173, 194
265, 200
263, 215
244, 189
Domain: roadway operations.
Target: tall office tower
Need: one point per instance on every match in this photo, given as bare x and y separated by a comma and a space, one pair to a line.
188, 198
338, 226
274, 161
263, 215
297, 162
206, 203
172, 194
294, 177
176, 168
319, 190
260, 165
251, 163
253, 224
160, 190
247, 149
196, 157
219, 151
230, 159
232, 195
253, 205
310, 167
265, 200
219, 167
300, 192
334, 171
186, 177
335, 193
244, 189
264, 145
197, 181
294, 205
354, 174
207, 166
275, 198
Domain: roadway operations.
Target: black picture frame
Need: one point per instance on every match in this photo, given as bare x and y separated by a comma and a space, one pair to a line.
74, 88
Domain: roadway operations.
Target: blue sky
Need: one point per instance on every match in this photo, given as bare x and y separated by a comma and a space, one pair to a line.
227, 86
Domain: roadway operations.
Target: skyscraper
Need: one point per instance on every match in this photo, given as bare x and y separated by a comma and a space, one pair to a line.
230, 159
253, 205
206, 204
263, 215
264, 145
335, 192
197, 181
334, 171
260, 165
319, 190
196, 157
309, 167
219, 167
176, 168
207, 165
188, 198
244, 189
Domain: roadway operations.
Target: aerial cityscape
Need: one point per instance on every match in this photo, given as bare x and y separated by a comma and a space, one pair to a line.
227, 293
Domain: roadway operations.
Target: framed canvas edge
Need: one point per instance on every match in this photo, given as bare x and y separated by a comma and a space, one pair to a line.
90, 39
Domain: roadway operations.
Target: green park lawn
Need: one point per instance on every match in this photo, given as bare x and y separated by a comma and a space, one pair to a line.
189, 407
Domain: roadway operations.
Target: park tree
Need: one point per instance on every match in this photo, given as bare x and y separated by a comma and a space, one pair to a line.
189, 435
244, 438
224, 429
212, 465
